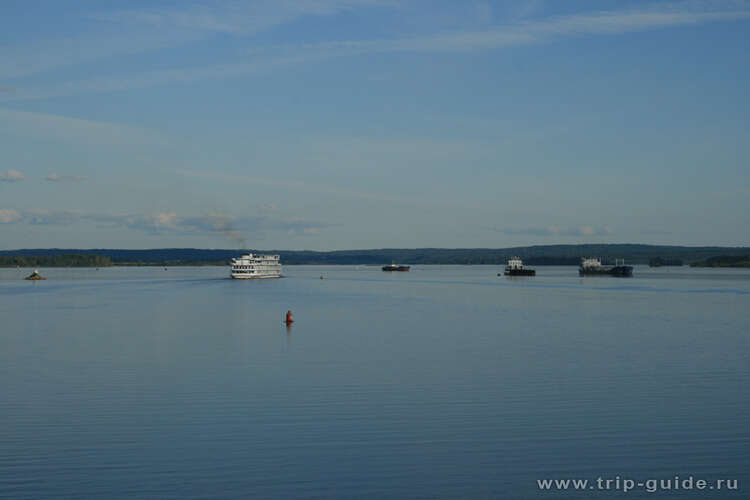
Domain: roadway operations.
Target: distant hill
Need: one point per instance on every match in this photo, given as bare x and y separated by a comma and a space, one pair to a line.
532, 255
57, 260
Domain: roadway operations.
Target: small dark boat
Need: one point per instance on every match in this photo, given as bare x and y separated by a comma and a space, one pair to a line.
35, 276
515, 268
395, 267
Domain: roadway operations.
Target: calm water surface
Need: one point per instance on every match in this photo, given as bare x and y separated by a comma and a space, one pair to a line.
444, 382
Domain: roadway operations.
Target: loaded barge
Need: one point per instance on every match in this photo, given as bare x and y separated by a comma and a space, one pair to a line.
395, 267
594, 267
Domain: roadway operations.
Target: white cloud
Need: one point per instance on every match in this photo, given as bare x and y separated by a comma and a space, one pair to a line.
11, 176
9, 216
64, 178
229, 226
166, 220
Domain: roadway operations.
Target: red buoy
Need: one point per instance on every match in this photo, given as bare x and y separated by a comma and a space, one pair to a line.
289, 319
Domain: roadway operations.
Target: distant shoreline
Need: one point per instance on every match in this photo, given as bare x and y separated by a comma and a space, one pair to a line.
538, 255
725, 261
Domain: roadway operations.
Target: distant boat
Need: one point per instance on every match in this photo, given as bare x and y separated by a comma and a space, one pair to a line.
395, 267
593, 267
515, 268
35, 276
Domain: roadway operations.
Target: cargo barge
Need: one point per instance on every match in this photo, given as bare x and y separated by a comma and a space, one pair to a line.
594, 267
395, 267
515, 268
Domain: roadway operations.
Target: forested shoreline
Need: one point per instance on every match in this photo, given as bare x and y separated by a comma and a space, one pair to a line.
538, 255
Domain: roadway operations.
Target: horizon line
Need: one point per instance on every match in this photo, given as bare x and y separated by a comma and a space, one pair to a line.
380, 249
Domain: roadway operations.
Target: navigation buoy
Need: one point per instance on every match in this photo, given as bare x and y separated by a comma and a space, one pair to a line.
289, 319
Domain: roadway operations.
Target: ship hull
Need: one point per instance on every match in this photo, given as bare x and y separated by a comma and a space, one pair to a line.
622, 271
396, 268
519, 272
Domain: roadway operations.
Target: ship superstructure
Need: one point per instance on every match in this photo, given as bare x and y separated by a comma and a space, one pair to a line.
254, 266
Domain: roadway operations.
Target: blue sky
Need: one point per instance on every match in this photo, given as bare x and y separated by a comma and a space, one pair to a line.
337, 124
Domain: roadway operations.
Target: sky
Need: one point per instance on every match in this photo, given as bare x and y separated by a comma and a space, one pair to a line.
346, 124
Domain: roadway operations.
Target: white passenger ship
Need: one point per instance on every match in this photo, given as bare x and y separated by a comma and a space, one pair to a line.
252, 266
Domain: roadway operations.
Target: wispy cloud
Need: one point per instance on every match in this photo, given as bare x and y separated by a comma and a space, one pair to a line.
326, 189
322, 189
559, 231
238, 18
65, 178
51, 217
134, 31
23, 60
228, 226
87, 131
545, 30
9, 216
262, 59
160, 77
11, 176
656, 232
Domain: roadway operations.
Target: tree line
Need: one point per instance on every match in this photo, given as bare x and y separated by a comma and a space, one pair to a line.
531, 255
63, 260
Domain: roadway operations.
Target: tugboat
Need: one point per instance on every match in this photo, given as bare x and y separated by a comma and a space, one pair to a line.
515, 268
594, 267
35, 276
395, 267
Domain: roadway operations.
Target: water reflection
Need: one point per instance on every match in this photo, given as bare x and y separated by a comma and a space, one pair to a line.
288, 333
519, 279
443, 373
